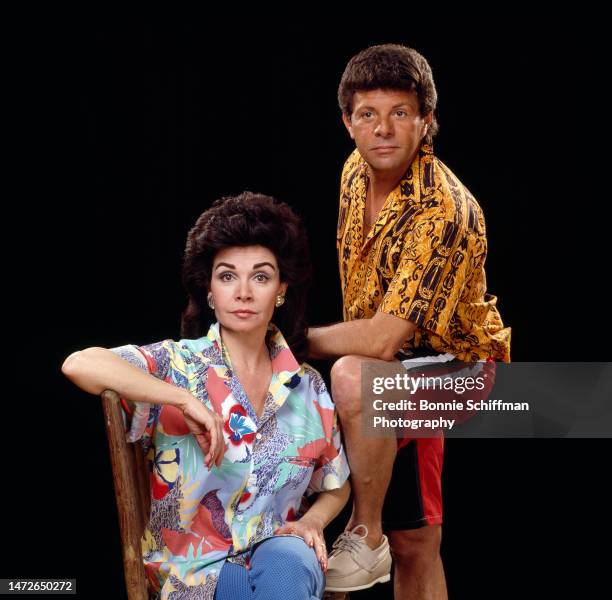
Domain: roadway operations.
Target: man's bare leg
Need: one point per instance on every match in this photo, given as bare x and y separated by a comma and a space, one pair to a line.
419, 574
371, 459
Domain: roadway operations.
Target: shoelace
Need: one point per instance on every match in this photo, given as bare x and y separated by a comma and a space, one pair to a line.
348, 541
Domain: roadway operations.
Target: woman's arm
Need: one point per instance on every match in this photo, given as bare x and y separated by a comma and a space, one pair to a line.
310, 527
97, 369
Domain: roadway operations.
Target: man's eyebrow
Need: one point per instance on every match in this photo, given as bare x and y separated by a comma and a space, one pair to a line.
263, 264
394, 106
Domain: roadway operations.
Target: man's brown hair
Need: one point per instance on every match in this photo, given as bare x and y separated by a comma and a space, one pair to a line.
390, 67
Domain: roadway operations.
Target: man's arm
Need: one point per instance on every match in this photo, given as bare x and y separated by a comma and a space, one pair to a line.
379, 337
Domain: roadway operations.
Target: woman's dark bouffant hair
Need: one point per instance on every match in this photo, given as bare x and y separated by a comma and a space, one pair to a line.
390, 67
249, 220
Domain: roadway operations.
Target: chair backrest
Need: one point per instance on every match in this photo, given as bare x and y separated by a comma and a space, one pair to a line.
132, 493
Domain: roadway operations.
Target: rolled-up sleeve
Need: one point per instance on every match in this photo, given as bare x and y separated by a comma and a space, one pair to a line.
141, 417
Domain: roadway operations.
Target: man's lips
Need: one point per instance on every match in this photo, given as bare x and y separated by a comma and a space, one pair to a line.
385, 148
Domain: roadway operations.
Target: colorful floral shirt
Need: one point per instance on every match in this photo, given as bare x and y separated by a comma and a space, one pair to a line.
200, 518
423, 260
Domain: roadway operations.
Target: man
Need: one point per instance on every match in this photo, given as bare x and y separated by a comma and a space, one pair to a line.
411, 245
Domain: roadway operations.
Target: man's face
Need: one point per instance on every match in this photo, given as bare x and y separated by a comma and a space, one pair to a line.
387, 127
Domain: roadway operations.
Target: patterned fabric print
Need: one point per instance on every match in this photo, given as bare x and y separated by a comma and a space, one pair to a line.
423, 260
199, 518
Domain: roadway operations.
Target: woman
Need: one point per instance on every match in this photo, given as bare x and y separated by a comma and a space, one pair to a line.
236, 426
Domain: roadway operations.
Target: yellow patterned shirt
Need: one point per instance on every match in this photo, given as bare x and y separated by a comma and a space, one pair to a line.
423, 260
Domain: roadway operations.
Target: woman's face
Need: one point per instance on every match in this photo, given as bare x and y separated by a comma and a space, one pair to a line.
245, 284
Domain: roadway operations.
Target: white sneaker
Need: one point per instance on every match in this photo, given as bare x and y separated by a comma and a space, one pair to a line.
353, 566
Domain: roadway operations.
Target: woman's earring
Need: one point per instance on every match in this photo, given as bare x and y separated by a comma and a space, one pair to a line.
210, 302
280, 300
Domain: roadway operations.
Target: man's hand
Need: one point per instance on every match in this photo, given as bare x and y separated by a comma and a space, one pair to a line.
207, 427
311, 531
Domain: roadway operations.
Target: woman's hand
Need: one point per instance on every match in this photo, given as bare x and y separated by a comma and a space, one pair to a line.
207, 427
310, 530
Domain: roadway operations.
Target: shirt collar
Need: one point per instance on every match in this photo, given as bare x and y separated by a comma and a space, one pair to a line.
416, 184
284, 364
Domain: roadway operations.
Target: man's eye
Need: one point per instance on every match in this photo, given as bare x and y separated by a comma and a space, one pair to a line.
367, 114
401, 113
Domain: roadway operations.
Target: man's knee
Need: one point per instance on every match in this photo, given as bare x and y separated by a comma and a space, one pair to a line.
346, 384
416, 545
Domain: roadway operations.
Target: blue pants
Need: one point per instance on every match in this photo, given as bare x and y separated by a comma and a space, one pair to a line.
280, 567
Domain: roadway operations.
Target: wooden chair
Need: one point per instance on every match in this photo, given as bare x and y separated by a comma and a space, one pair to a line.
132, 493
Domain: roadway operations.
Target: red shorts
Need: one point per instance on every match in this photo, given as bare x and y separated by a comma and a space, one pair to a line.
414, 497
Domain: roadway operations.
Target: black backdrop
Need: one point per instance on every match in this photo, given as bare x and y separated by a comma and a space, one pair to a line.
138, 129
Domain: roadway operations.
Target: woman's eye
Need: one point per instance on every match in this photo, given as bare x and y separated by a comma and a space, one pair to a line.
225, 276
401, 113
261, 277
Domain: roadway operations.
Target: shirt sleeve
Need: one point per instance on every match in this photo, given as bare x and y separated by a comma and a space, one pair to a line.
156, 359
332, 468
431, 274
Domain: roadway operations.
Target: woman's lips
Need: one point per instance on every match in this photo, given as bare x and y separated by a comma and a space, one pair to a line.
243, 313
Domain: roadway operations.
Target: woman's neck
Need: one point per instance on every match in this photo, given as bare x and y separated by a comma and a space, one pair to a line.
247, 350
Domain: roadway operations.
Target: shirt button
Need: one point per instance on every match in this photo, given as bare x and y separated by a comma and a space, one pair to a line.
239, 517
258, 436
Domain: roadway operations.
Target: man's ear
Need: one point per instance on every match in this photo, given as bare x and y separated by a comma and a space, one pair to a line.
346, 119
427, 120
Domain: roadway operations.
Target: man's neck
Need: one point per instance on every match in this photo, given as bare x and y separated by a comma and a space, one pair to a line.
382, 183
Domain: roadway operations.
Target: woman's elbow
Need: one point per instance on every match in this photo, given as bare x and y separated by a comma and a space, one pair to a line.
75, 365
69, 364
